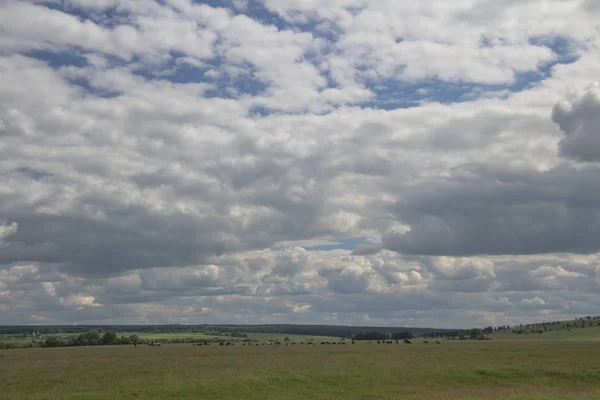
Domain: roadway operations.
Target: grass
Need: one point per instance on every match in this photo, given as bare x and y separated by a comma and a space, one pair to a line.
453, 370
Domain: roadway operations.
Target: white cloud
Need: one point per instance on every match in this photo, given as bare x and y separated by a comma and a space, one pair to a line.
7, 230
551, 273
171, 162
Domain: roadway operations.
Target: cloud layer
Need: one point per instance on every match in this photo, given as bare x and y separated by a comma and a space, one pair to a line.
339, 161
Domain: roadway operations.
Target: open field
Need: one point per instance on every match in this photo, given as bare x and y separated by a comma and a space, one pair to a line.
453, 370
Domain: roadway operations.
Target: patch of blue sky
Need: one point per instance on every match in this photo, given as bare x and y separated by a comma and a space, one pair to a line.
565, 48
108, 17
74, 57
33, 174
394, 94
229, 80
257, 11
260, 112
56, 59
340, 244
236, 81
94, 90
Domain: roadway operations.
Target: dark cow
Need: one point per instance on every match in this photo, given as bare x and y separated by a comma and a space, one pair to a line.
407, 341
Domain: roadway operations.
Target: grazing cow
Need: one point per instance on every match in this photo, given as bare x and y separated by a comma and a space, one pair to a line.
425, 341
407, 341
353, 342
378, 342
437, 342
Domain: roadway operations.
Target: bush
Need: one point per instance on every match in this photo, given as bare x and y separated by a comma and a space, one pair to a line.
54, 341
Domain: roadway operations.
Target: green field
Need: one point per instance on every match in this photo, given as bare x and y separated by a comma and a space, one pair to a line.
453, 370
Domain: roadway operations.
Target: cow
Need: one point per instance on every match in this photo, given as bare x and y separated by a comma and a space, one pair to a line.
407, 341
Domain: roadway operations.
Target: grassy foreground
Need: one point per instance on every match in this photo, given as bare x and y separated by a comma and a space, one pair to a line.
452, 370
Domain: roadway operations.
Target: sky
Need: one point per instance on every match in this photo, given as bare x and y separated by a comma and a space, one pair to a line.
418, 163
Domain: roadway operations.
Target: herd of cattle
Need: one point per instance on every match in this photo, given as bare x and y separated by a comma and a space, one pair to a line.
309, 343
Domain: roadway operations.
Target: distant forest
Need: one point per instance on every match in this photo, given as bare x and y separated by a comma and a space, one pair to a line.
94, 335
315, 330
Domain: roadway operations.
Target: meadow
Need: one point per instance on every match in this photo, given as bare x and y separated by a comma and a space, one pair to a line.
495, 369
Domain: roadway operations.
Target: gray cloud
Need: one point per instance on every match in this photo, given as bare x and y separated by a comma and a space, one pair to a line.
579, 119
483, 209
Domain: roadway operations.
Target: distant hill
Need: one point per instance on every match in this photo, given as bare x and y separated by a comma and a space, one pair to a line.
585, 328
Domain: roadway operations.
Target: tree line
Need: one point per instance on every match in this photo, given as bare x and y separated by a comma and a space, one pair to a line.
221, 330
90, 338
